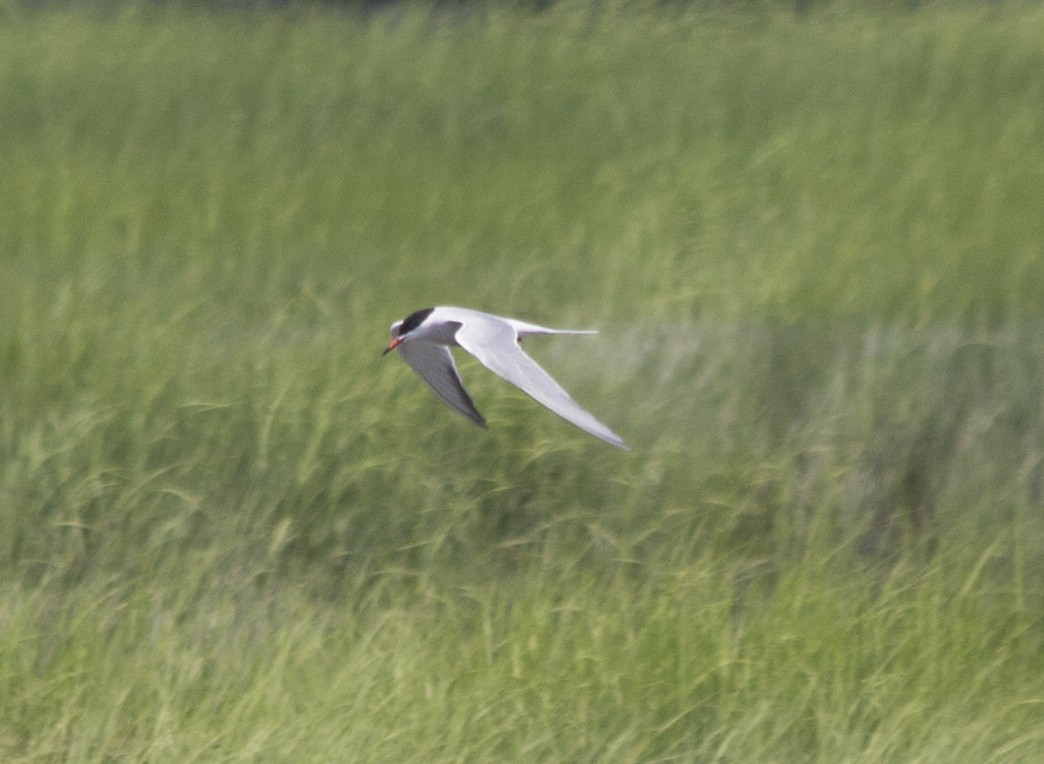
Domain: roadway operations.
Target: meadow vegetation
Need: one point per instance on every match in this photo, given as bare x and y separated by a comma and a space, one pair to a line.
813, 246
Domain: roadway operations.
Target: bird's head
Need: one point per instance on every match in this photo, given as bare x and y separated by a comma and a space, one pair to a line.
401, 330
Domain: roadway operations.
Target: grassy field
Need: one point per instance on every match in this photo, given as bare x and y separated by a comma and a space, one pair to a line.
814, 247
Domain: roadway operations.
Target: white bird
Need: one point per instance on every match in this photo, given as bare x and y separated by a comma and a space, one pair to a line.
424, 338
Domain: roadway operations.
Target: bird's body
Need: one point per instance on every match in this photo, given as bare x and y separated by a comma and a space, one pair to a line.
424, 338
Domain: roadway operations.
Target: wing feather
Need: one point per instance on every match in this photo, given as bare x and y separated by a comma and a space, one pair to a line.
495, 345
434, 364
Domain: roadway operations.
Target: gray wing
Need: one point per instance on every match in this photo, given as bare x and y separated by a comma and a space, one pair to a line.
434, 364
495, 344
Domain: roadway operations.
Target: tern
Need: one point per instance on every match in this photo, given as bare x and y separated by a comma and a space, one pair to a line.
424, 339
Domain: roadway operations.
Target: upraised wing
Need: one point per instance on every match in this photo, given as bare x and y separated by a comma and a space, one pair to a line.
495, 345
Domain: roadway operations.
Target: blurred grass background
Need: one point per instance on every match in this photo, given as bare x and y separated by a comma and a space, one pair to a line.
813, 247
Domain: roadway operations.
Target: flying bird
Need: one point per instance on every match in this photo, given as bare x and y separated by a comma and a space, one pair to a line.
424, 339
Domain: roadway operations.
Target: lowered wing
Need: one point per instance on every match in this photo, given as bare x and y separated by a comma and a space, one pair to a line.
434, 364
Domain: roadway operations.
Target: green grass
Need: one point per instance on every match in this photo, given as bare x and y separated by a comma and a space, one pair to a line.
229, 531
